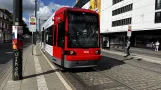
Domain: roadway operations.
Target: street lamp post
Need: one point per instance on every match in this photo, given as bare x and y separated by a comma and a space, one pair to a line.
36, 22
17, 35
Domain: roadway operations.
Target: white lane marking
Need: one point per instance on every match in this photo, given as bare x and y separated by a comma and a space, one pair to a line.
58, 74
8, 52
41, 83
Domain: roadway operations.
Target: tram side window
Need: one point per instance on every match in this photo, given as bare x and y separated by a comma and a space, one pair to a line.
42, 36
49, 36
54, 28
46, 36
61, 33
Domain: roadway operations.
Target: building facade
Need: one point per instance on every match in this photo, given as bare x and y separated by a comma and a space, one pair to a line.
5, 25
143, 16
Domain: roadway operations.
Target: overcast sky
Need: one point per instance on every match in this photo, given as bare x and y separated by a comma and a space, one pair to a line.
45, 7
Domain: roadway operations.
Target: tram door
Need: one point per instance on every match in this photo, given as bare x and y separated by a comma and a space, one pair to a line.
59, 50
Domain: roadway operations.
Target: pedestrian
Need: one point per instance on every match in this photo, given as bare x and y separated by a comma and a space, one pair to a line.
128, 48
105, 44
152, 45
157, 45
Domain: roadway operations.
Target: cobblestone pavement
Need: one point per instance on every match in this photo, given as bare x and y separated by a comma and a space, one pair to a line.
118, 73
137, 63
91, 79
138, 75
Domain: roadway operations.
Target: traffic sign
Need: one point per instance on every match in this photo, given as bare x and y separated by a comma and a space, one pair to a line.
129, 32
32, 24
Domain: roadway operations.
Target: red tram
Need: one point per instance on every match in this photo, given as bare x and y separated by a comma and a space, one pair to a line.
71, 38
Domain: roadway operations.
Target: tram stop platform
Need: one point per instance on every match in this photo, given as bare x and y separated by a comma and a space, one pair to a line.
38, 74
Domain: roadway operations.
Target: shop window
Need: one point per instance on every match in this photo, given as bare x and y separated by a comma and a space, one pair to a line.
158, 17
157, 4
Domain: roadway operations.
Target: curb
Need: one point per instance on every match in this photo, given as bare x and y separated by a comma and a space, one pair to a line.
61, 77
136, 57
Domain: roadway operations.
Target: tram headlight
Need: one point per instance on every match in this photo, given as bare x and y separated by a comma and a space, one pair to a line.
71, 52
98, 52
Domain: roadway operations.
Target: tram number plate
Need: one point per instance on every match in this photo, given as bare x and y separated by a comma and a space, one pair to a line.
86, 51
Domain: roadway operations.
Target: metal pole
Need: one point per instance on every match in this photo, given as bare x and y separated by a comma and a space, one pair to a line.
32, 44
125, 42
17, 40
36, 21
39, 30
36, 9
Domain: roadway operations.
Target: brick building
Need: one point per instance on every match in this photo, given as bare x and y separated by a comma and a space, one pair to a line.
5, 25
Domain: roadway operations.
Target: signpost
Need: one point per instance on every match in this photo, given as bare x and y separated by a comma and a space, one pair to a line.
32, 28
129, 32
32, 23
17, 45
17, 40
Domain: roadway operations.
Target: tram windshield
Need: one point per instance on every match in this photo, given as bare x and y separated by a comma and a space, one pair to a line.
82, 30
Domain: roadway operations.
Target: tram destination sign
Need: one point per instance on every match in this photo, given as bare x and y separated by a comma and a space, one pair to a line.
129, 32
32, 24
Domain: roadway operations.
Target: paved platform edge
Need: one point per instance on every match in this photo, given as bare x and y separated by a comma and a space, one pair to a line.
62, 78
135, 56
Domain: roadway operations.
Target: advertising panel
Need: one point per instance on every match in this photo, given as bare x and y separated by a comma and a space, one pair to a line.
95, 5
129, 32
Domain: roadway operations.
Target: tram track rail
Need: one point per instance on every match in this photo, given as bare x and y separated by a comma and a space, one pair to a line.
106, 75
84, 86
73, 78
80, 81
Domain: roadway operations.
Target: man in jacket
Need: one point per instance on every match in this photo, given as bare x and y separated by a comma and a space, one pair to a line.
128, 48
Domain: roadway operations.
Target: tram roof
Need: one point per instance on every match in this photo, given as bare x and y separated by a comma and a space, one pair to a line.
48, 23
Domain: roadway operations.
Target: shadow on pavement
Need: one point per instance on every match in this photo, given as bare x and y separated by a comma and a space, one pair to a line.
128, 58
107, 63
77, 70
5, 52
34, 75
104, 64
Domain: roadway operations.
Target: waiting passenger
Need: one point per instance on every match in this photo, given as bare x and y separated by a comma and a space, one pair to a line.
157, 46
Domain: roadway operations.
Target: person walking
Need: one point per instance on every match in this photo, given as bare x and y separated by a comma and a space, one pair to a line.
153, 46
105, 44
157, 45
128, 48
